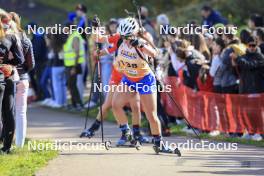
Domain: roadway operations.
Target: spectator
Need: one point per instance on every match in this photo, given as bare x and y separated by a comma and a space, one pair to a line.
211, 16
209, 42
229, 77
74, 53
190, 56
58, 72
146, 23
46, 80
22, 85
199, 43
260, 39
174, 64
9, 43
251, 69
244, 36
218, 46
204, 80
40, 51
83, 22
255, 21
161, 20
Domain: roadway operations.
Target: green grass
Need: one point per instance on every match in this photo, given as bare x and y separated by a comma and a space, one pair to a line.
25, 162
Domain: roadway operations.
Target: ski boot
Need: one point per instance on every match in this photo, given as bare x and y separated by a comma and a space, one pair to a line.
126, 137
89, 133
142, 139
137, 136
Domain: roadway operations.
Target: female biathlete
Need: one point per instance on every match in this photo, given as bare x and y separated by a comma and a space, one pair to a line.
133, 100
137, 76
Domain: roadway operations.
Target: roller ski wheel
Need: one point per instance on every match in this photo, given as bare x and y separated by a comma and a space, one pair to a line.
136, 143
177, 152
107, 145
87, 133
156, 149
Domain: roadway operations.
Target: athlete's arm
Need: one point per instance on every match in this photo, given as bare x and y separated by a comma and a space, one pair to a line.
113, 40
148, 50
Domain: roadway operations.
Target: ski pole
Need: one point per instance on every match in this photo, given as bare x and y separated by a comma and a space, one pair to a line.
90, 97
99, 83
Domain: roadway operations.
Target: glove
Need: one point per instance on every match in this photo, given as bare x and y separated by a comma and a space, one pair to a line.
96, 21
7, 70
136, 43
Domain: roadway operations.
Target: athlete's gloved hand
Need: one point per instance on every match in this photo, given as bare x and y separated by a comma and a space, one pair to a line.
136, 43
7, 70
96, 21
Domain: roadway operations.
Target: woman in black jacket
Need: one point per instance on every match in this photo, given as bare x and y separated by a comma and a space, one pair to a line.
10, 55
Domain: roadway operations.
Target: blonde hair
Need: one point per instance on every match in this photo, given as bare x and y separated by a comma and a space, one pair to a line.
2, 31
12, 30
15, 17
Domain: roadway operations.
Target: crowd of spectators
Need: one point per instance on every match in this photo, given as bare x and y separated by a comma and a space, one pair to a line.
230, 63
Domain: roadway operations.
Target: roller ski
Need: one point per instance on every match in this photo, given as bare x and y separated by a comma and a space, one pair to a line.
127, 140
161, 149
89, 133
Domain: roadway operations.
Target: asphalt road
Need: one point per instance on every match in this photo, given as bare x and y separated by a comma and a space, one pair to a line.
65, 127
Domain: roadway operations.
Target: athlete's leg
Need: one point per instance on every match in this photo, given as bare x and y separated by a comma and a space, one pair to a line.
136, 118
120, 99
134, 103
149, 104
105, 107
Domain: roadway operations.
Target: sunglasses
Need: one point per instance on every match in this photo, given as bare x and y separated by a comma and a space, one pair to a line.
252, 45
127, 37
